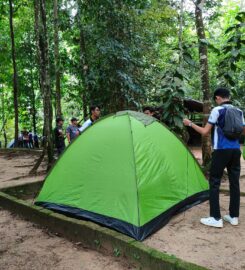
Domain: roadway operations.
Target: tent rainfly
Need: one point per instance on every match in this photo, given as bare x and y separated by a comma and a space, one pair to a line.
127, 172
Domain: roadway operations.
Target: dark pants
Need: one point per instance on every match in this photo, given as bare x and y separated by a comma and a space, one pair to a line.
60, 150
31, 144
221, 159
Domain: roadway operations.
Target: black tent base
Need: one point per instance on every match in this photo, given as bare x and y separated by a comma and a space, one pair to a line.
138, 233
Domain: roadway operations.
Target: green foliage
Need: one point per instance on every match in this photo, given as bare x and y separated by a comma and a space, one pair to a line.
232, 58
116, 60
133, 57
173, 93
116, 252
97, 243
233, 50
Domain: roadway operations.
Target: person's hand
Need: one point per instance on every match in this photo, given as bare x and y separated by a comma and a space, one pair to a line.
186, 122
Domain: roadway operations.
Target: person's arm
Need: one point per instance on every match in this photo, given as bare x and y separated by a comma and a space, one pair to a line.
85, 125
68, 135
202, 130
212, 120
243, 124
82, 128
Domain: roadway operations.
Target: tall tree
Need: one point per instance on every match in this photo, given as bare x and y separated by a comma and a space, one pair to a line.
45, 77
31, 76
15, 75
181, 22
4, 120
33, 103
203, 59
57, 59
117, 67
84, 65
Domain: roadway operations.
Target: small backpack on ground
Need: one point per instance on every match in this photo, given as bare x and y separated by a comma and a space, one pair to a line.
233, 125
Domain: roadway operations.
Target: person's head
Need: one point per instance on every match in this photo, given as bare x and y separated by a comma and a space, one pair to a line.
59, 121
74, 121
94, 111
148, 110
221, 95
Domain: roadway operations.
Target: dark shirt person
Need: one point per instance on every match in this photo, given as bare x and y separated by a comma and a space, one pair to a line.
72, 131
36, 141
31, 144
226, 154
59, 138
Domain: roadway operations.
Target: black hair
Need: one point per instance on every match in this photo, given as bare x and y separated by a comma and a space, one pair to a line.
58, 119
221, 92
73, 119
148, 108
93, 107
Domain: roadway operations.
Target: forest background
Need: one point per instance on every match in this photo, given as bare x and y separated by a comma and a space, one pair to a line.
58, 57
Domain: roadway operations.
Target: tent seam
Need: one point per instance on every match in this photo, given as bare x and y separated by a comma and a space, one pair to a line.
187, 174
136, 178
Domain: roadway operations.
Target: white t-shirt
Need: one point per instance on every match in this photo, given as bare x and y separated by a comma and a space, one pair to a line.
217, 118
85, 125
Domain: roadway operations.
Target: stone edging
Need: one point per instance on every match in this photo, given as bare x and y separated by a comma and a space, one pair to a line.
93, 236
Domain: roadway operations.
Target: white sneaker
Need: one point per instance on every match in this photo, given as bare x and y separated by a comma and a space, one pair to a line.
233, 221
210, 221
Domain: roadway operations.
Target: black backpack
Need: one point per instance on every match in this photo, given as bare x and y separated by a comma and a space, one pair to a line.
233, 124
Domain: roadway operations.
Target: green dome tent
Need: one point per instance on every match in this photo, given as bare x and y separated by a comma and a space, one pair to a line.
127, 172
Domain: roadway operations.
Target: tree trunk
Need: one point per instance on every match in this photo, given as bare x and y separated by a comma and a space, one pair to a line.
4, 122
15, 76
45, 80
33, 104
57, 59
180, 36
119, 101
32, 94
36, 31
83, 63
203, 58
34, 169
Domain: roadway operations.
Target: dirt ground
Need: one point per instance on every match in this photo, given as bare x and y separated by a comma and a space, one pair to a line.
14, 168
24, 246
185, 238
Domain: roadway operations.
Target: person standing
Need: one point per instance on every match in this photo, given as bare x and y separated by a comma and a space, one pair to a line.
36, 142
20, 140
72, 131
94, 112
25, 139
59, 138
226, 154
30, 135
